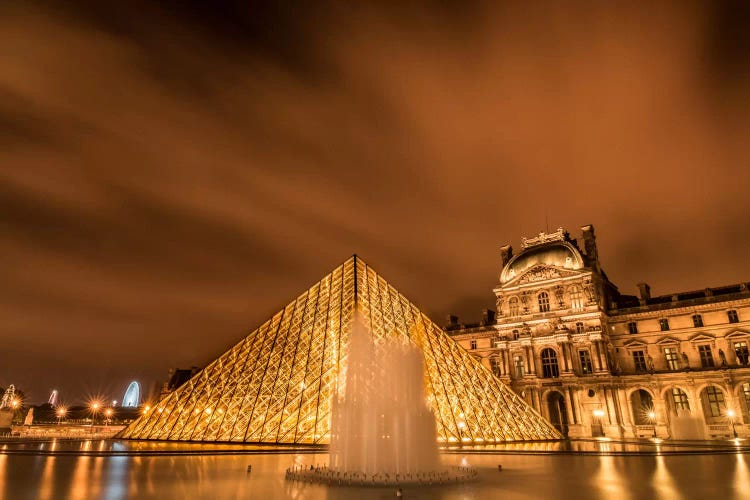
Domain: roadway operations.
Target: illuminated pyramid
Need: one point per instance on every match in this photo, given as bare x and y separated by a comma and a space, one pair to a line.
277, 384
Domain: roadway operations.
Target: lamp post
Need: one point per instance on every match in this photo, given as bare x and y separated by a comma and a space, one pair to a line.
652, 417
108, 414
730, 414
60, 414
94, 410
461, 427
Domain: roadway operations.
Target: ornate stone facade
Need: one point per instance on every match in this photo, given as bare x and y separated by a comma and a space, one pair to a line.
596, 362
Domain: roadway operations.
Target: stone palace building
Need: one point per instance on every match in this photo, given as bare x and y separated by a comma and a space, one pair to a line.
596, 362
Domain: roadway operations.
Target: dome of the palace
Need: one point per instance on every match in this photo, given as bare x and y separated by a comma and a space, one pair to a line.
560, 254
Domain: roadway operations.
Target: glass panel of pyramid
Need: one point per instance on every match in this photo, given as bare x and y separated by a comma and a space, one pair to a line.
277, 384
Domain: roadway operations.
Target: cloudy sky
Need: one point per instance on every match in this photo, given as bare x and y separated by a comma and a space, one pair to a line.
172, 175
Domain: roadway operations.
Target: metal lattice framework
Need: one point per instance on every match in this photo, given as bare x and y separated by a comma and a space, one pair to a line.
277, 384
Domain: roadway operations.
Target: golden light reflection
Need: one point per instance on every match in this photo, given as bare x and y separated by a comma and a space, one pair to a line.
610, 481
663, 482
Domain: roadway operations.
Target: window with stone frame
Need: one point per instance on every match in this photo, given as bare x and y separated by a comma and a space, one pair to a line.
473, 344
579, 327
496, 366
742, 353
746, 398
697, 320
639, 361
513, 306
632, 327
543, 299
576, 297
550, 369
707, 359
519, 366
714, 401
732, 316
516, 334
672, 357
680, 399
664, 324
496, 343
587, 368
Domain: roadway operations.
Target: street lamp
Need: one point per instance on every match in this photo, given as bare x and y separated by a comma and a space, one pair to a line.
108, 414
730, 414
61, 411
652, 417
94, 410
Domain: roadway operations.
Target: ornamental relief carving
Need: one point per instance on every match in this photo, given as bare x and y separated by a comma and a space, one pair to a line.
539, 274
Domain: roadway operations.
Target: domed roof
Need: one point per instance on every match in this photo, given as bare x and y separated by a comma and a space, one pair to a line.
559, 254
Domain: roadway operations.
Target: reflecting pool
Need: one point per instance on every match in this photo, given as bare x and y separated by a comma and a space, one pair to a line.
113, 470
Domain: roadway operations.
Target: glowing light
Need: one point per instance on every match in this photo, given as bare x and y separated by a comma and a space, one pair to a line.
132, 397
108, 412
730, 413
598, 413
651, 415
61, 412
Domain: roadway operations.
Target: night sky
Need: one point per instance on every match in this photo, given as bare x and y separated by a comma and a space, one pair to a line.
172, 175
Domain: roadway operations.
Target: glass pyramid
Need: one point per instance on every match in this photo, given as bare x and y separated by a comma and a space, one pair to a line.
277, 384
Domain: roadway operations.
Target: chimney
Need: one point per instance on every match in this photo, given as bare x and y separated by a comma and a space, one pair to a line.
488, 317
589, 241
506, 253
645, 292
452, 320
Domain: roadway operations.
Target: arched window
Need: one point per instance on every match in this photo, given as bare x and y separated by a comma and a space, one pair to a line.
680, 400
513, 306
713, 403
642, 405
543, 299
576, 298
549, 364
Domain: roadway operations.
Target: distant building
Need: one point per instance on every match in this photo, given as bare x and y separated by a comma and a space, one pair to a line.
177, 377
596, 362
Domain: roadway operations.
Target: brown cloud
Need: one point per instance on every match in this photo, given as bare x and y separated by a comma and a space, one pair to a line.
168, 181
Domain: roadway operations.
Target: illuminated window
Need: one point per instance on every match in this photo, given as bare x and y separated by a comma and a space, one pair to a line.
670, 353
473, 344
707, 360
639, 360
518, 363
697, 320
732, 316
576, 298
549, 364
513, 306
746, 397
633, 327
713, 401
585, 357
543, 299
579, 327
742, 353
680, 399
664, 324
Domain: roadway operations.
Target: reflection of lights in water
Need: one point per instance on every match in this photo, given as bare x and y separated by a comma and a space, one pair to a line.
741, 475
663, 482
47, 483
609, 480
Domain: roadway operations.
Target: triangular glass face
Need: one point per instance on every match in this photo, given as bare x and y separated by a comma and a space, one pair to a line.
278, 383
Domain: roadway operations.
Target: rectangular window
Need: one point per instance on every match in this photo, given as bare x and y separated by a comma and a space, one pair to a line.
742, 353
515, 335
715, 400
673, 363
518, 362
707, 360
697, 320
664, 324
496, 343
639, 359
473, 344
746, 394
495, 366
586, 366
579, 327
633, 327
732, 316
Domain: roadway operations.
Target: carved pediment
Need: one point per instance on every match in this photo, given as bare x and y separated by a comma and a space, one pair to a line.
667, 341
632, 344
737, 334
541, 273
702, 337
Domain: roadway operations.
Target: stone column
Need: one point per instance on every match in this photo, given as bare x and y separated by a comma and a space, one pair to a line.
598, 355
571, 393
566, 366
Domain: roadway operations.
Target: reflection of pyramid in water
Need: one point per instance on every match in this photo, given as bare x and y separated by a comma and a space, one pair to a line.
276, 385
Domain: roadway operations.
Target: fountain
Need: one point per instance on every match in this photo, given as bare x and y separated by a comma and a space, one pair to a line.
382, 431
